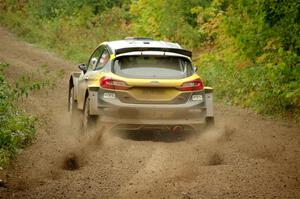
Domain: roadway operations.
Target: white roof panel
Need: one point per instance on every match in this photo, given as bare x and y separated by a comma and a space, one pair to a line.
142, 43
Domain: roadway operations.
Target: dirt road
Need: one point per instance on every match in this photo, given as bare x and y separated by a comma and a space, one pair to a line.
245, 156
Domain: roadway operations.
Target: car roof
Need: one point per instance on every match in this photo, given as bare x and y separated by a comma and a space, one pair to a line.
115, 45
144, 44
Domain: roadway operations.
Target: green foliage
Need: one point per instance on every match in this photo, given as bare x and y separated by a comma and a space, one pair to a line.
36, 80
271, 89
254, 23
56, 8
256, 63
16, 128
169, 20
72, 28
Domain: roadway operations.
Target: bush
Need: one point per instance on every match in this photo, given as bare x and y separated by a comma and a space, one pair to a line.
73, 28
168, 20
16, 127
255, 62
262, 86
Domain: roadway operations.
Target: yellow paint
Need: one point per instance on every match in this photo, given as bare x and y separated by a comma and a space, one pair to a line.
143, 89
154, 94
147, 82
112, 56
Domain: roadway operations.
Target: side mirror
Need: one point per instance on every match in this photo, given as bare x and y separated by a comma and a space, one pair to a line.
83, 67
195, 68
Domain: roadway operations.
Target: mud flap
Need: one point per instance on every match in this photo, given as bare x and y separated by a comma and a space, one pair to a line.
75, 76
209, 102
93, 105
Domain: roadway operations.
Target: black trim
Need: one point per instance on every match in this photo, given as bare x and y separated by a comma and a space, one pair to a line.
172, 50
139, 38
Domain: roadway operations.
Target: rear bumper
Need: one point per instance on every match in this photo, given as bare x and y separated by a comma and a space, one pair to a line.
153, 116
191, 113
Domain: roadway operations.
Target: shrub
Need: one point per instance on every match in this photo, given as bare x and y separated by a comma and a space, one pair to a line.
16, 127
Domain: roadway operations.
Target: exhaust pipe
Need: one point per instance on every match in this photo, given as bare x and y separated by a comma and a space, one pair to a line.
177, 129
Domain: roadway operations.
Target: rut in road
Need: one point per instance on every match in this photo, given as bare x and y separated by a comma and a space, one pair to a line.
246, 155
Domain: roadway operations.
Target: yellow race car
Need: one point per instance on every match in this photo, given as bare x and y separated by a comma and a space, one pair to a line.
139, 83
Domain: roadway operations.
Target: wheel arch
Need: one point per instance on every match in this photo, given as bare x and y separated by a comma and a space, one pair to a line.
91, 94
209, 102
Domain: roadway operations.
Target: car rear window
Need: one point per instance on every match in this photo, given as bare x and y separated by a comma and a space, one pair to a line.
153, 67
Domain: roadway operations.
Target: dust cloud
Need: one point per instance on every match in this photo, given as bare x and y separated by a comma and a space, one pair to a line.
77, 154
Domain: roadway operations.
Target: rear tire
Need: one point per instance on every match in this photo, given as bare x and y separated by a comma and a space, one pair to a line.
89, 122
74, 112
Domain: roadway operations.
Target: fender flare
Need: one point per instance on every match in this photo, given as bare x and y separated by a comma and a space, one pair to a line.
92, 95
209, 101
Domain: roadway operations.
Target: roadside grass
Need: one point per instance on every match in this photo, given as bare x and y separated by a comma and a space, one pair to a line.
73, 37
17, 128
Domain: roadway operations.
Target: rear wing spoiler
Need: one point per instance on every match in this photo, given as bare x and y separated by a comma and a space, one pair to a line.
172, 50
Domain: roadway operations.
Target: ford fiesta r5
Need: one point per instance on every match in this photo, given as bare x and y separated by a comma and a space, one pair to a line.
139, 83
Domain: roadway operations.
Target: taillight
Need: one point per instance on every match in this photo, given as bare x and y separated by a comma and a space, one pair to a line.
194, 85
109, 83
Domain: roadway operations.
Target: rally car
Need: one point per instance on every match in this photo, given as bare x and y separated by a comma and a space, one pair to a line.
139, 83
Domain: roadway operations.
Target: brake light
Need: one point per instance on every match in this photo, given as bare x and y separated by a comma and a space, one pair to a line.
194, 85
109, 83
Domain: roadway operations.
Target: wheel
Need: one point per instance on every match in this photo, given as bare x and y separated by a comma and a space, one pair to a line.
74, 112
89, 122
210, 121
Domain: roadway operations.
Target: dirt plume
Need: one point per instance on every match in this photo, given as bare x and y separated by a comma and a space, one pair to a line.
71, 162
2, 183
215, 159
228, 133
77, 157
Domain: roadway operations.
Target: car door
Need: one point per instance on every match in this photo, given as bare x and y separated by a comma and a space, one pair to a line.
88, 76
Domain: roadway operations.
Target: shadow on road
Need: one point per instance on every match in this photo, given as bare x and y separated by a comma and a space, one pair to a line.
153, 135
